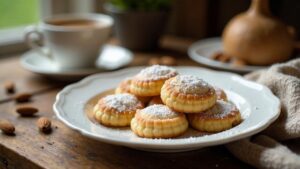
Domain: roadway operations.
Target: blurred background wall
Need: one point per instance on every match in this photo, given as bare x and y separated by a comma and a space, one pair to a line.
192, 18
205, 18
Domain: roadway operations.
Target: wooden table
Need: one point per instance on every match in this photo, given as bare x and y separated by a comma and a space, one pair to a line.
66, 148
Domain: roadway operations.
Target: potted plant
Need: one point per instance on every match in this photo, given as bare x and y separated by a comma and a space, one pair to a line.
139, 23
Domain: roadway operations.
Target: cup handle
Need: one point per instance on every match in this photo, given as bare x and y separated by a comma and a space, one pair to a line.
32, 37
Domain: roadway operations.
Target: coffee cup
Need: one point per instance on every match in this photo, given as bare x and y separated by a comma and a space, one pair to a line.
71, 41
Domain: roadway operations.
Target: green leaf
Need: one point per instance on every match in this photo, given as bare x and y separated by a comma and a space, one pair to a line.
141, 5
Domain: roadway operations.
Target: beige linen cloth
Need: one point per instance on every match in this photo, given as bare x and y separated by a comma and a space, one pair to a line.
265, 150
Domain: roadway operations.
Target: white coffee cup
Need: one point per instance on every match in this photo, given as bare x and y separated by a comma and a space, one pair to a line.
71, 41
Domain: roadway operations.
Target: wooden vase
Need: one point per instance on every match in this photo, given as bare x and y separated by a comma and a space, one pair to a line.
257, 37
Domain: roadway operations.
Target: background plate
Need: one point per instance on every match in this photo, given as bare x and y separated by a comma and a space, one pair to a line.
202, 50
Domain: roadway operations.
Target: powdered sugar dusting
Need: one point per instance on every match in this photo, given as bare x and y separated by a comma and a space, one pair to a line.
190, 84
220, 109
158, 111
156, 72
122, 102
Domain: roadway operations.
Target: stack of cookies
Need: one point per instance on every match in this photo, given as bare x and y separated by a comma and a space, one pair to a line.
160, 103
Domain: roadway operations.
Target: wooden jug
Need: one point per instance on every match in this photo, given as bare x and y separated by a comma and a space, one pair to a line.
257, 37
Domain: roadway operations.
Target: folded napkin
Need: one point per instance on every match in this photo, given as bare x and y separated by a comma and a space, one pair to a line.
264, 149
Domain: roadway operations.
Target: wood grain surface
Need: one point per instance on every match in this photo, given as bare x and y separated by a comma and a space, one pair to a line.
66, 148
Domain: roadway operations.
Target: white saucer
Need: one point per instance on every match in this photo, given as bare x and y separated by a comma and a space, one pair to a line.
258, 106
202, 50
111, 58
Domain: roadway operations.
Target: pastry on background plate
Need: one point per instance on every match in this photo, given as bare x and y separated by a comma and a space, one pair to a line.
158, 121
188, 94
220, 117
148, 82
117, 110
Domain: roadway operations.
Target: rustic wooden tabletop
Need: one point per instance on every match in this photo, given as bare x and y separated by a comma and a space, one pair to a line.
66, 148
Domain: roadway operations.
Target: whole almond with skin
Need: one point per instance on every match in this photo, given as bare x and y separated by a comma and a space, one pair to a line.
23, 97
9, 87
168, 60
26, 110
216, 55
44, 124
154, 61
224, 58
7, 127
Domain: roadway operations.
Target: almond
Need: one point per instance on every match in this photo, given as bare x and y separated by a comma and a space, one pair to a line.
9, 87
23, 97
224, 58
154, 61
216, 56
7, 127
44, 124
168, 60
27, 110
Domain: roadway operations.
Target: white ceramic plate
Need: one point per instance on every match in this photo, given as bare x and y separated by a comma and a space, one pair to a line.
202, 50
258, 106
111, 58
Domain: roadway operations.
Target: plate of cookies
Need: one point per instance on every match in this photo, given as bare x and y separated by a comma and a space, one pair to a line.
166, 109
